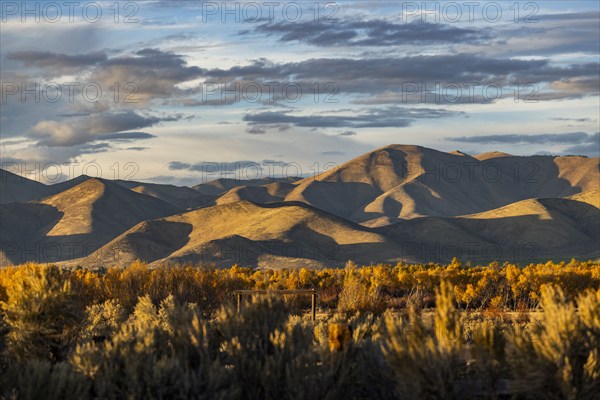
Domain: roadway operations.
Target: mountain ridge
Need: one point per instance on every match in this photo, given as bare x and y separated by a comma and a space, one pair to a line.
396, 203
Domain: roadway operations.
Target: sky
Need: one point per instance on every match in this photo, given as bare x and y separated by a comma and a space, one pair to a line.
185, 92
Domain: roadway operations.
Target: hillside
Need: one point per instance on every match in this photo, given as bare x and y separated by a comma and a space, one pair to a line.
181, 197
533, 229
16, 188
76, 221
398, 202
219, 186
402, 182
250, 234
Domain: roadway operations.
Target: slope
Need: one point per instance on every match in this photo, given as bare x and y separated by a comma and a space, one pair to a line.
74, 222
15, 188
528, 230
403, 182
275, 235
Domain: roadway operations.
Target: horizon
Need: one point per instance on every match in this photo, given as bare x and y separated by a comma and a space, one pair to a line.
38, 174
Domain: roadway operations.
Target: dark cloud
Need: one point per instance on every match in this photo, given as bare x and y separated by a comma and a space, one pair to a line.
13, 142
574, 143
76, 114
214, 166
152, 73
255, 130
137, 148
591, 149
347, 133
403, 69
55, 155
398, 117
375, 32
169, 62
561, 33
333, 153
573, 119
90, 148
125, 136
396, 76
543, 138
101, 126
573, 16
59, 63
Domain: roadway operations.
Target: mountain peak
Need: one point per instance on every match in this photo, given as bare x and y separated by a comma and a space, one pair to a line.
491, 154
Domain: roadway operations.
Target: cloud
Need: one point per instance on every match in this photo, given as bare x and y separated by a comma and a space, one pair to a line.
215, 166
13, 142
154, 73
347, 133
125, 136
374, 32
590, 149
459, 67
54, 155
577, 143
102, 126
576, 17
556, 34
573, 119
397, 117
333, 153
392, 75
150, 73
255, 130
137, 148
59, 63
543, 138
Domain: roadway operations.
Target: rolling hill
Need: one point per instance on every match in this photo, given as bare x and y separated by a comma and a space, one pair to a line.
533, 229
221, 185
402, 182
398, 202
74, 222
249, 234
15, 188
181, 197
289, 234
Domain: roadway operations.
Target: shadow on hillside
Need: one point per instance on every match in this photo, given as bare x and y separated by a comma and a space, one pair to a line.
151, 241
466, 188
572, 231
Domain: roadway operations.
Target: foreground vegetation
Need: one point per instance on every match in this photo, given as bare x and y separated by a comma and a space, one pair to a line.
385, 332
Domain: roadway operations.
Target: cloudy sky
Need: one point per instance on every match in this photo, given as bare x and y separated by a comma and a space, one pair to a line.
161, 91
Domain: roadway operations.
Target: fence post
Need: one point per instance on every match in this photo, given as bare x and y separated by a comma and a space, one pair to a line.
314, 305
239, 301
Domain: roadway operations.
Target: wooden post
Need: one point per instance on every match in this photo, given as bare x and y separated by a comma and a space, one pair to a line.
314, 305
239, 302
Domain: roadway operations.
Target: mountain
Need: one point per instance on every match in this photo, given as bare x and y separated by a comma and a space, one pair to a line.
533, 229
272, 192
296, 234
15, 188
220, 186
250, 234
182, 197
490, 155
399, 182
399, 202
74, 222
